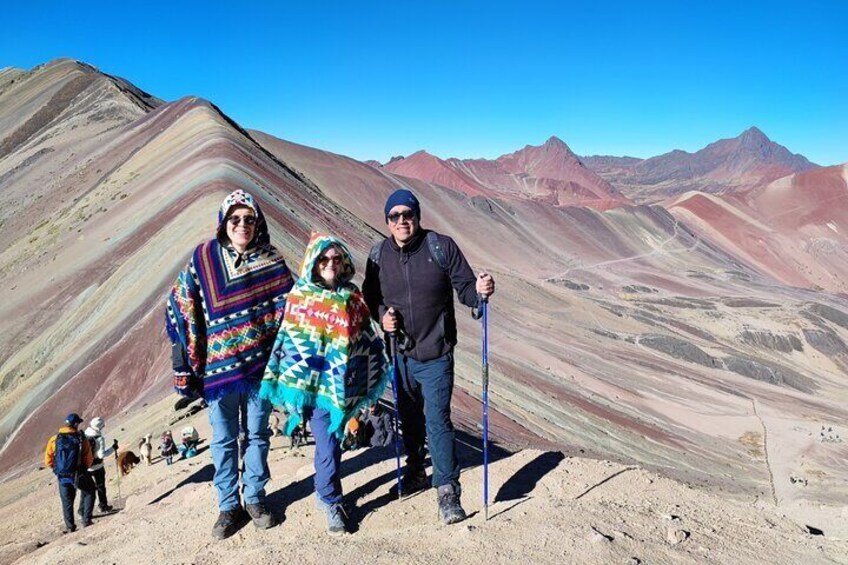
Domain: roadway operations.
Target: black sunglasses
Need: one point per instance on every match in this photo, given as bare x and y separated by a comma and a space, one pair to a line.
406, 215
236, 220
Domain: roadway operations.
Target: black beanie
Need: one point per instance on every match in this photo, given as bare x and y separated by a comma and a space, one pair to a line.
402, 197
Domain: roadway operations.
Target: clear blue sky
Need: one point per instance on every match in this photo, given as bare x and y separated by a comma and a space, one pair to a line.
474, 79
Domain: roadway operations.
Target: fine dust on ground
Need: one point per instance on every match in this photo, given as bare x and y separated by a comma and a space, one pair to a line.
545, 507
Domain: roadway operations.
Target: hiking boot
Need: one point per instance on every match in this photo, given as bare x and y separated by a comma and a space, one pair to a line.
336, 519
106, 508
413, 481
227, 523
70, 530
262, 519
450, 510
336, 516
87, 523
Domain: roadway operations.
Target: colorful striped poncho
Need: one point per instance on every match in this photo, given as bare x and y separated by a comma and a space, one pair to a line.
223, 313
328, 353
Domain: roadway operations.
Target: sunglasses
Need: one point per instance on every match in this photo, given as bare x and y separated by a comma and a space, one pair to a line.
335, 260
406, 215
236, 220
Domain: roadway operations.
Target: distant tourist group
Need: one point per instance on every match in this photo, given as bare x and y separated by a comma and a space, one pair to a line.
246, 336
77, 458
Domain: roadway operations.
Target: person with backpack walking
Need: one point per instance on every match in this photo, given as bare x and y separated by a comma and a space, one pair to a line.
97, 472
409, 283
328, 363
69, 454
222, 316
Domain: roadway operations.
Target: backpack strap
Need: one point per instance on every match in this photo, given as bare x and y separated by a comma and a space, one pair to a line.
437, 251
376, 252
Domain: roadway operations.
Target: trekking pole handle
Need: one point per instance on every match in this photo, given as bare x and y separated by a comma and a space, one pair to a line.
484, 314
391, 338
477, 312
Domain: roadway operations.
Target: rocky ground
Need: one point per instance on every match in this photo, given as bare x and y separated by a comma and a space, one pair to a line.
545, 507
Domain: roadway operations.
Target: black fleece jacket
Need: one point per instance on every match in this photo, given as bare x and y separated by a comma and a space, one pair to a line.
409, 279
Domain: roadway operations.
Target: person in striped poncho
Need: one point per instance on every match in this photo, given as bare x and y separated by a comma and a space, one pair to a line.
222, 317
328, 363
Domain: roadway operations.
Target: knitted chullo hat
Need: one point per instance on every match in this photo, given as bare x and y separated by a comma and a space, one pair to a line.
242, 198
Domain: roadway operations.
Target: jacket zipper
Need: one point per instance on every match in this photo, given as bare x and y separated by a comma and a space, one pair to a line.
411, 327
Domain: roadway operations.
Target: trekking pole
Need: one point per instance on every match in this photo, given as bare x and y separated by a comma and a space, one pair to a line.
396, 413
485, 369
117, 467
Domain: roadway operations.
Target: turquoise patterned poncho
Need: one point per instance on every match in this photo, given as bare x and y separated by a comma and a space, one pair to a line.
328, 353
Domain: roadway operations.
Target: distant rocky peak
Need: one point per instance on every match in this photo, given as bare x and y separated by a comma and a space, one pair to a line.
553, 150
753, 137
422, 157
555, 146
555, 143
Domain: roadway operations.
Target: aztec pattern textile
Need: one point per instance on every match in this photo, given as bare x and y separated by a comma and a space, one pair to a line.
328, 353
224, 312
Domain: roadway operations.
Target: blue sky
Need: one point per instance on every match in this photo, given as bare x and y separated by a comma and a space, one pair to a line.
474, 79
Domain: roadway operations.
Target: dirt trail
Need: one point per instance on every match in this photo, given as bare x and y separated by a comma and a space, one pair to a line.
545, 507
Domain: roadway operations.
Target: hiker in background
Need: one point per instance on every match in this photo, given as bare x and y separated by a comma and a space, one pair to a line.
97, 472
68, 453
353, 433
189, 440
328, 362
167, 447
222, 316
379, 431
274, 422
409, 283
299, 436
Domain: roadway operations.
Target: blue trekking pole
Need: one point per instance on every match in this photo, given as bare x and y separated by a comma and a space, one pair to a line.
485, 308
396, 412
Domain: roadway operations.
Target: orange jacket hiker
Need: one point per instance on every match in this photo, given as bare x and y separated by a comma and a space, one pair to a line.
87, 457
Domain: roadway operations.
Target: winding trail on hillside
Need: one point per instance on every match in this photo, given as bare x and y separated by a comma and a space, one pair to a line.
765, 451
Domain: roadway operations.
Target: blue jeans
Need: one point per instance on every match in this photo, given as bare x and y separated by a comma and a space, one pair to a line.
67, 493
424, 399
224, 417
328, 457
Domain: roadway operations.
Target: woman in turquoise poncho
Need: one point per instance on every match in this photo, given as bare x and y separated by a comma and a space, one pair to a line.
328, 362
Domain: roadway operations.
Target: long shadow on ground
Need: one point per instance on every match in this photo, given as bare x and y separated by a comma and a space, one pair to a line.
525, 479
469, 452
202, 475
280, 499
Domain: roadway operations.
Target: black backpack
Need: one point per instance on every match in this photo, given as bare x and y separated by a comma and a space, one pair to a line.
437, 252
67, 455
92, 441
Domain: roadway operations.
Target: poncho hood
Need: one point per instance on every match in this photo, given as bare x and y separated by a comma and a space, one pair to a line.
317, 245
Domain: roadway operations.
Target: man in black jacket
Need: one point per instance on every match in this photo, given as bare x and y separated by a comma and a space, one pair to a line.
409, 284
